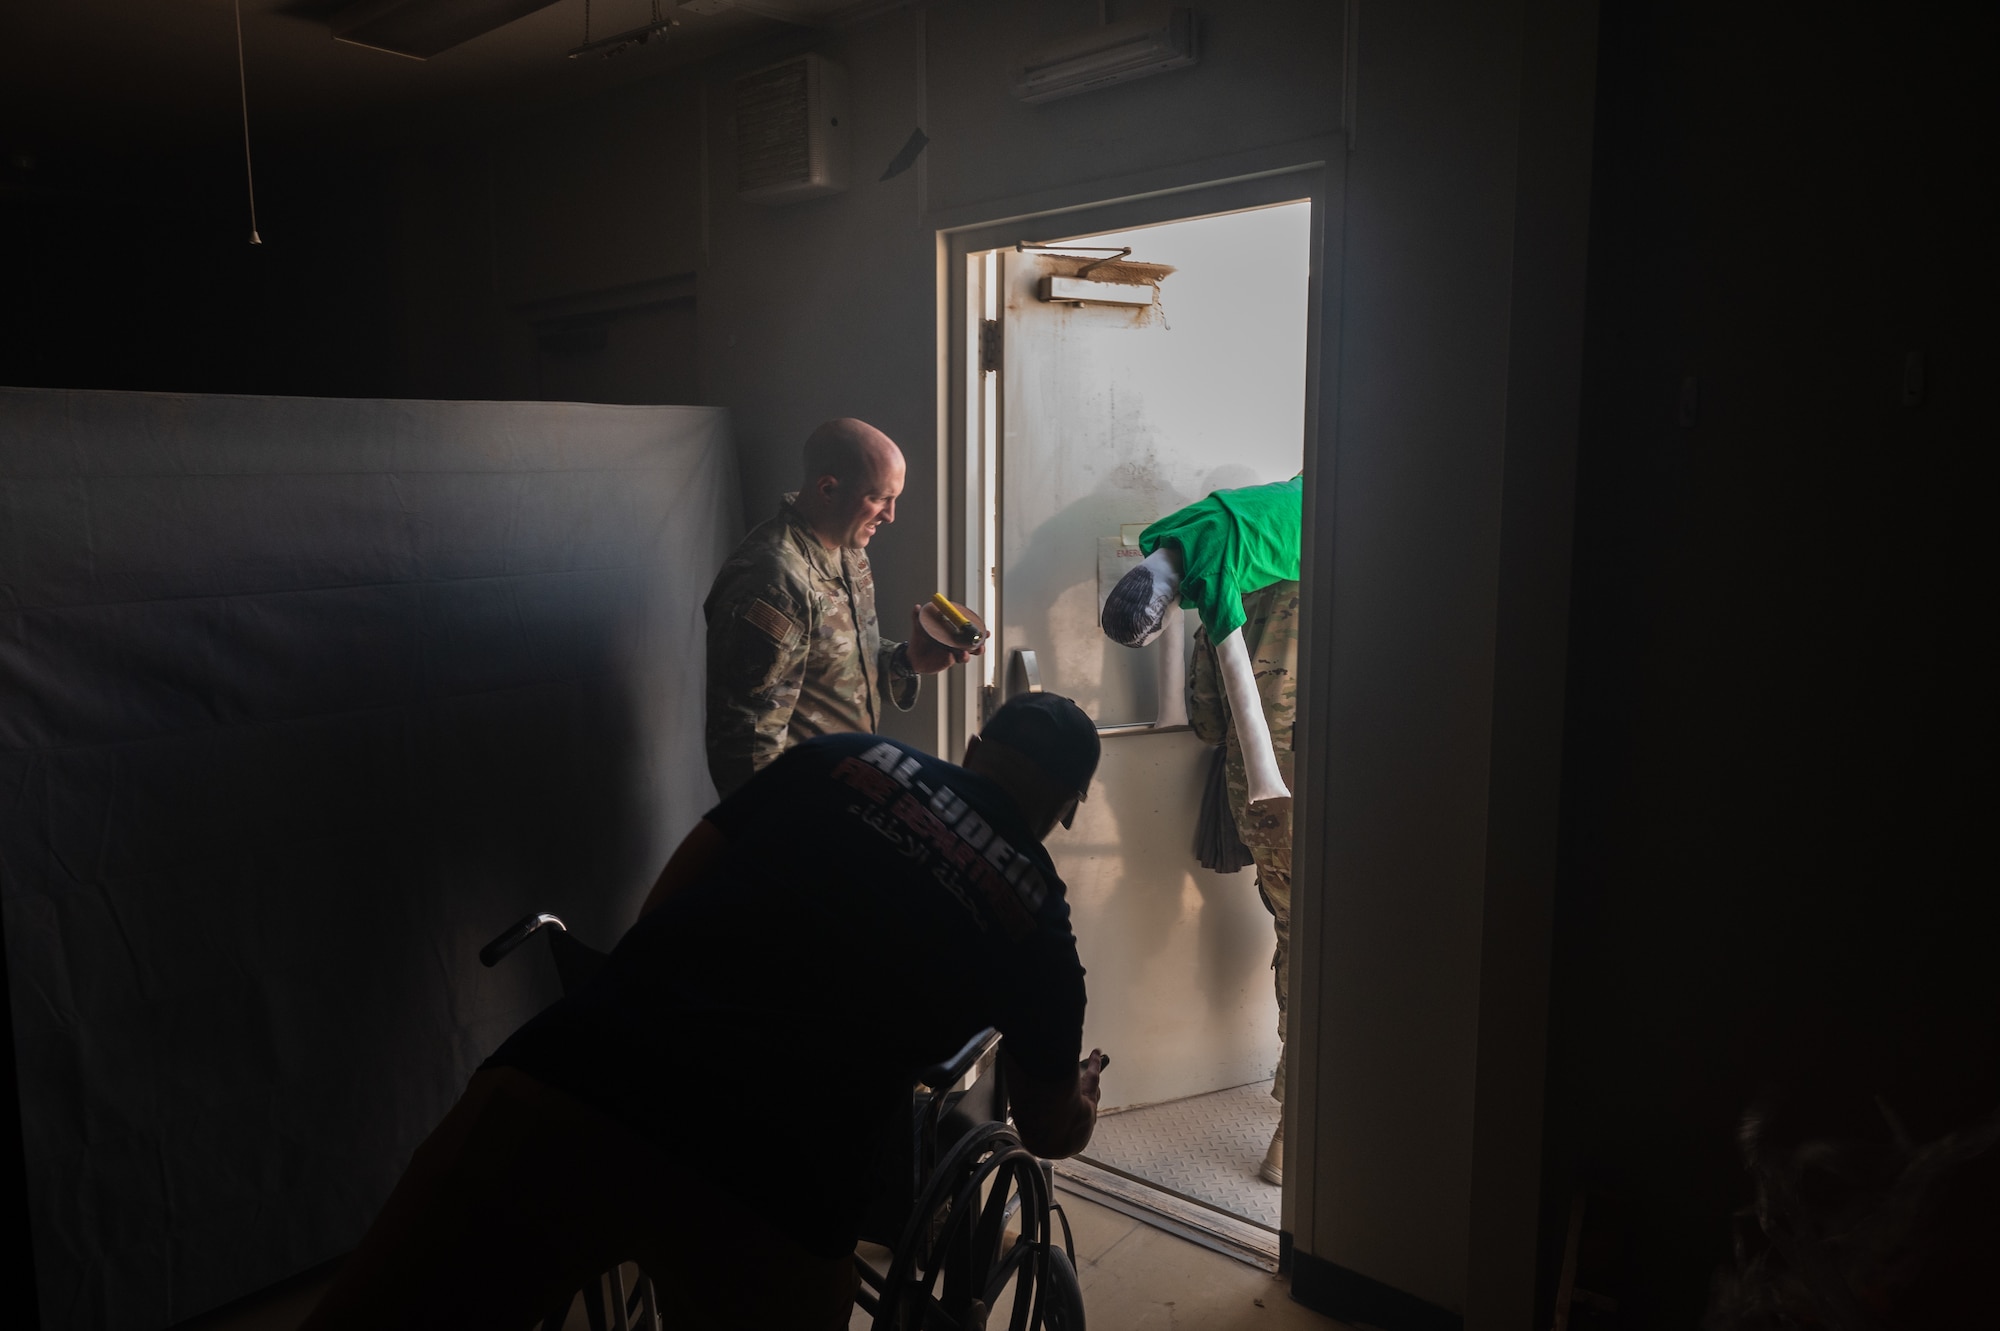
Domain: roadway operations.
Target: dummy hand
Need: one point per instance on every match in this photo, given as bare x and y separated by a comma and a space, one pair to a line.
926, 654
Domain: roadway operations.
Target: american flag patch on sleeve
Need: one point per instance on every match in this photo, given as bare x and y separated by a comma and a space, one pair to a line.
774, 623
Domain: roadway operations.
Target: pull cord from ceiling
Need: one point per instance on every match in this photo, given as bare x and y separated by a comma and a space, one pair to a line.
243, 85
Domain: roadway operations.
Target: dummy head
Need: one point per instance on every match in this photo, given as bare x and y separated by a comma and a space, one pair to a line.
853, 474
1042, 750
1137, 608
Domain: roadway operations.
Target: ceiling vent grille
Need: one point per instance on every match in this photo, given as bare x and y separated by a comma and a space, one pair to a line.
791, 131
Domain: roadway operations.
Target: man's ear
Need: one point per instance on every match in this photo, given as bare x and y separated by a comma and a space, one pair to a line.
971, 747
826, 486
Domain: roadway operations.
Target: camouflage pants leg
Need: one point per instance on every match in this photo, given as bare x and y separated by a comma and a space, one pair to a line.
1274, 885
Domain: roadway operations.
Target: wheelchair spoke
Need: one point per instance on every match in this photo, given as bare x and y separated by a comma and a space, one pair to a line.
621, 1314
593, 1305
935, 1318
1006, 1269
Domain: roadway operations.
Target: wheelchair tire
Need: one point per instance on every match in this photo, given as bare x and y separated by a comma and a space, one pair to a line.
1062, 1294
954, 1266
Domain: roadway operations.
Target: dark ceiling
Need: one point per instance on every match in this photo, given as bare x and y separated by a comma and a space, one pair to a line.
141, 76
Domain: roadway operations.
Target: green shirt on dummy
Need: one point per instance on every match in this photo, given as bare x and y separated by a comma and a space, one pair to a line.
1232, 543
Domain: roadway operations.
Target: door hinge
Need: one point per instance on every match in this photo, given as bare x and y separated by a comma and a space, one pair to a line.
989, 345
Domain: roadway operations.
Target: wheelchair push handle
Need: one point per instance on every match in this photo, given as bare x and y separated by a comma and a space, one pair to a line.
940, 1075
518, 933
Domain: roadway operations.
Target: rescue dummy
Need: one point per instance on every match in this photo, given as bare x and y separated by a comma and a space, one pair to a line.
1207, 557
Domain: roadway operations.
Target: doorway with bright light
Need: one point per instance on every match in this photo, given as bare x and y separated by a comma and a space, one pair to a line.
1076, 424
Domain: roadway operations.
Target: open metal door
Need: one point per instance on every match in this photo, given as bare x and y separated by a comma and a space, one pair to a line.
1110, 417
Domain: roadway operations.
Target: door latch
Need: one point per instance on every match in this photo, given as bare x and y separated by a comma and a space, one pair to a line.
1022, 674
989, 346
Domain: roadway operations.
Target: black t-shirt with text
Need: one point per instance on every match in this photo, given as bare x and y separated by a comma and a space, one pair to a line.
875, 908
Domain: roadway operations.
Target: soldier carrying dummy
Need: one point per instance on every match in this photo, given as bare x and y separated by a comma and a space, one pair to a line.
1234, 559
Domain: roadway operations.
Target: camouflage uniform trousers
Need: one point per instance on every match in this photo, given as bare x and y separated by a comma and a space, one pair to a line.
1271, 637
1274, 885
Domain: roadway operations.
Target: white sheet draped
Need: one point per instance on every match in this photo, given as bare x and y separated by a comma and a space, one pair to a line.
300, 701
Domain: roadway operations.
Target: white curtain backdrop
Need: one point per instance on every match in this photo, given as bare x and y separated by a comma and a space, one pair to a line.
301, 700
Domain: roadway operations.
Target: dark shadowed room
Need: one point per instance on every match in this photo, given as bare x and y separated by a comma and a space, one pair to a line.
562, 767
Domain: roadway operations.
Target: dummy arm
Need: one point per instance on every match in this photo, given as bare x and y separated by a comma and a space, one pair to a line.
1173, 673
1246, 708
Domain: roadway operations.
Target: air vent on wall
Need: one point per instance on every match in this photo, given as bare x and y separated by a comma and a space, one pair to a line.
1107, 54
791, 131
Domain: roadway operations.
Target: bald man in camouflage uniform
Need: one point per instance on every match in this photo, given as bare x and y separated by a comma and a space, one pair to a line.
1271, 637
794, 649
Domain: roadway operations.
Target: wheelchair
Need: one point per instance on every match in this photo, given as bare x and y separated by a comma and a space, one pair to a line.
967, 1224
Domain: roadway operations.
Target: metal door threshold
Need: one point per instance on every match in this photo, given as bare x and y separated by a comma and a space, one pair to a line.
1177, 1214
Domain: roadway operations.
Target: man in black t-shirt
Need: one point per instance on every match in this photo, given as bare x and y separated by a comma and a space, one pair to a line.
706, 1103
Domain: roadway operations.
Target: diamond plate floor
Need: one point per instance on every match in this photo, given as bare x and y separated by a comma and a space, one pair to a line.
1207, 1147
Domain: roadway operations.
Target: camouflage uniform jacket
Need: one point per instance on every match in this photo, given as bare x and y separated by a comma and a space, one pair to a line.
1271, 636
793, 649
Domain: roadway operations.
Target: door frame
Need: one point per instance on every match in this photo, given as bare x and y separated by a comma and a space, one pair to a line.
1316, 172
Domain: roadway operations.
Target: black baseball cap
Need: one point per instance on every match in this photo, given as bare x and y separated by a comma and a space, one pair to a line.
1050, 731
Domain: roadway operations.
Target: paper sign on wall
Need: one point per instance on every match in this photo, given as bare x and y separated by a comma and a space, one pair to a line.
1115, 558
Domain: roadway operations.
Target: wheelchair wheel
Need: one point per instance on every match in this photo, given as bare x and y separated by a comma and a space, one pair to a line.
957, 1264
1062, 1294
